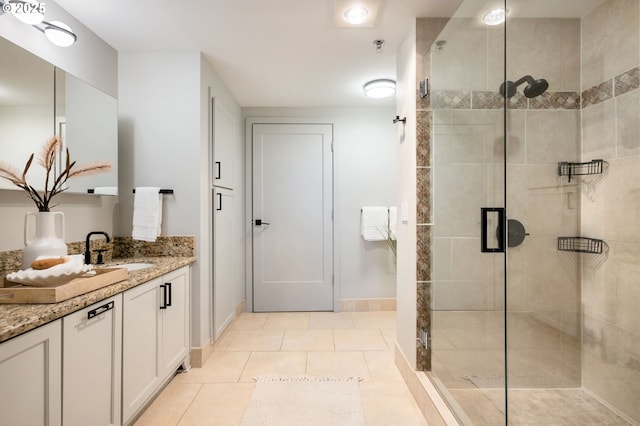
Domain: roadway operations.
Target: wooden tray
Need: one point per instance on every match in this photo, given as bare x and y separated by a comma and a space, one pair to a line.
15, 293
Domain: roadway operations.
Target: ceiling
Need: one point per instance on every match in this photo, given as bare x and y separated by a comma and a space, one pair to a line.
268, 52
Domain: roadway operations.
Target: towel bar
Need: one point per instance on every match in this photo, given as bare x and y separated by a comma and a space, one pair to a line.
162, 191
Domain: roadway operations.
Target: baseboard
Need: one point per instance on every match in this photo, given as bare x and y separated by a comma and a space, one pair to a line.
433, 407
200, 355
367, 305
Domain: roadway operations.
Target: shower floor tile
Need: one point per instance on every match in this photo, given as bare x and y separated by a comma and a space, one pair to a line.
535, 406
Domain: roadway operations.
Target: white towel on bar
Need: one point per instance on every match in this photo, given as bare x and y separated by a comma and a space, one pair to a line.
393, 221
147, 214
373, 223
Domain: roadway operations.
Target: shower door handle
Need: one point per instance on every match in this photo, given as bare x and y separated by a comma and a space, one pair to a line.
492, 217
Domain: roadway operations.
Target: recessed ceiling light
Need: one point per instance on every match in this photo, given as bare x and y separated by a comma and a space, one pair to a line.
382, 88
495, 17
356, 15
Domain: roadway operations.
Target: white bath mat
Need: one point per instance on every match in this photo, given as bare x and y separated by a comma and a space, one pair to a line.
304, 400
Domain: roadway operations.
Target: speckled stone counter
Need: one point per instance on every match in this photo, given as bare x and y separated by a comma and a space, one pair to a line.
16, 319
167, 254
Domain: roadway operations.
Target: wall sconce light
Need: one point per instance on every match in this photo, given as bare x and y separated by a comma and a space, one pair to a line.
31, 12
382, 88
58, 33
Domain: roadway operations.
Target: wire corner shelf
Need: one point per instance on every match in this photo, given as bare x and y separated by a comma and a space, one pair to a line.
592, 167
581, 245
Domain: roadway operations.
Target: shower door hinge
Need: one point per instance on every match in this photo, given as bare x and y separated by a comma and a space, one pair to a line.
424, 88
424, 338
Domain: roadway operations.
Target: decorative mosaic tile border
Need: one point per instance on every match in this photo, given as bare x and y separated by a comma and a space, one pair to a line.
598, 93
616, 86
423, 306
463, 99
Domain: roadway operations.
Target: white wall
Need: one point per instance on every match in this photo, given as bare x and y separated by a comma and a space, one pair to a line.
406, 279
160, 142
164, 132
364, 175
94, 61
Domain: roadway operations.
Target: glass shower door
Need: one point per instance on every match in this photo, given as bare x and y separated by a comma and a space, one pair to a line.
468, 234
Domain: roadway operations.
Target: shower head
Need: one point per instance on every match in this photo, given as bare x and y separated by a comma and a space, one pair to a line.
533, 89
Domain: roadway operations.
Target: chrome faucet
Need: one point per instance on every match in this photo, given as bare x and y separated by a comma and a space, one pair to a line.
87, 248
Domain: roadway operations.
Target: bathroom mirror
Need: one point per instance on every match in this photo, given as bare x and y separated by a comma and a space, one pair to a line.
38, 100
86, 118
26, 109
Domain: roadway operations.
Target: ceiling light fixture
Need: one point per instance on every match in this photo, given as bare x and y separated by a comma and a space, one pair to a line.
381, 88
356, 15
495, 17
31, 12
59, 33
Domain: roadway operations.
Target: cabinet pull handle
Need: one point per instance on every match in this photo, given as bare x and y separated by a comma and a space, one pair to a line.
164, 296
168, 287
219, 208
218, 171
97, 311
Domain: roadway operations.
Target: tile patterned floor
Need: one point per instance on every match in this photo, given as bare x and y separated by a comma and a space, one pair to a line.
354, 343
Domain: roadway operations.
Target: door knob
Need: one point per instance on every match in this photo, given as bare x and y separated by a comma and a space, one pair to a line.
260, 222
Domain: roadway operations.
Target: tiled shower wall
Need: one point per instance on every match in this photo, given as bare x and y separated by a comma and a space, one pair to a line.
611, 203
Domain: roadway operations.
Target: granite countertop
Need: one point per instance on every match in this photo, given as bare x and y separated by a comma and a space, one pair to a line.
16, 319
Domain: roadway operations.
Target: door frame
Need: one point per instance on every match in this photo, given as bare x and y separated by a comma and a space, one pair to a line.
250, 121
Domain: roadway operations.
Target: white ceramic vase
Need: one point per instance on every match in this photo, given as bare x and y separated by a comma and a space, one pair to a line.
47, 240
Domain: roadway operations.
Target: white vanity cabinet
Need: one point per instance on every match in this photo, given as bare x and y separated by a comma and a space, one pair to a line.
31, 379
155, 337
91, 380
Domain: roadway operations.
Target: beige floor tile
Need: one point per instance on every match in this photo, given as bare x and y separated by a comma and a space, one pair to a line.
380, 319
287, 320
343, 363
170, 405
308, 340
221, 367
267, 363
250, 321
360, 339
387, 404
218, 404
382, 367
330, 320
251, 340
390, 336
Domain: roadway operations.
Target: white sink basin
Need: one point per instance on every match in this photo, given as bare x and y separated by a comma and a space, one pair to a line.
133, 266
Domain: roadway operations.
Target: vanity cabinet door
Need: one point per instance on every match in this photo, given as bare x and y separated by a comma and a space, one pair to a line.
141, 334
91, 382
31, 378
175, 319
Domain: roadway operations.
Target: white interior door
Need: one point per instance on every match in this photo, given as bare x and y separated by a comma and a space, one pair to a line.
292, 217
